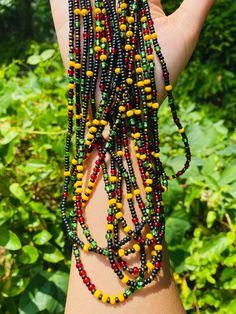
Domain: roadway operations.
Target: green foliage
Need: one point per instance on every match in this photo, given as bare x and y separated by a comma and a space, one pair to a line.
34, 257
200, 207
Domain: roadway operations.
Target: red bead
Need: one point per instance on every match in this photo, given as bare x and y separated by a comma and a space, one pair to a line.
79, 265
135, 271
86, 280
65, 194
82, 272
81, 219
91, 287
135, 220
157, 264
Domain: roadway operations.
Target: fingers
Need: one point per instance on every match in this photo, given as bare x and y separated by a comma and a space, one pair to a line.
156, 8
196, 11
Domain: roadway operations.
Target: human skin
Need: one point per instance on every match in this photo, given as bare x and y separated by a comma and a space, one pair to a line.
178, 34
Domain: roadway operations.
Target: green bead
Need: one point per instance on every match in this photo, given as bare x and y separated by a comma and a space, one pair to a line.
105, 252
128, 292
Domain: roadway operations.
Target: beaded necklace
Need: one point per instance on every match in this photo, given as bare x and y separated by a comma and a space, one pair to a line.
119, 42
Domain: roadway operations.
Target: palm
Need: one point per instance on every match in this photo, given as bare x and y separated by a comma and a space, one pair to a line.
177, 33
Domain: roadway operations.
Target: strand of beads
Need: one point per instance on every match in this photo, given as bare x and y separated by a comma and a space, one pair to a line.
116, 55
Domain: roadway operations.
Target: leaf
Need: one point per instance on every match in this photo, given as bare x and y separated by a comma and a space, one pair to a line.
9, 239
214, 245
175, 230
34, 59
211, 217
29, 254
17, 191
42, 237
51, 254
228, 175
47, 54
14, 286
9, 136
46, 291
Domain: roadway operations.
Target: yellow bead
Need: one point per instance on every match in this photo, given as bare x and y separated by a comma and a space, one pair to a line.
103, 40
143, 156
86, 247
147, 82
154, 253
155, 105
136, 247
137, 155
130, 113
148, 89
125, 279
129, 33
110, 227
129, 81
149, 97
156, 155
97, 48
147, 37
129, 195
123, 6
119, 215
98, 29
123, 116
113, 178
77, 11
80, 168
121, 297
79, 190
74, 162
92, 129
137, 57
137, 135
149, 181
149, 104
150, 57
112, 201
170, 177
168, 88
89, 73
123, 27
128, 47
91, 184
127, 229
130, 19
85, 197
154, 35
97, 10
97, 293
71, 63
77, 66
137, 111
164, 188
80, 176
136, 191
112, 299
122, 108
119, 205
67, 173
78, 183
79, 116
158, 247
117, 70
71, 86
103, 57
149, 236
139, 70
104, 11
148, 189
140, 84
119, 10
70, 107
119, 153
88, 191
121, 252
96, 122
90, 136
150, 266
104, 297
144, 19
103, 122
181, 130
84, 12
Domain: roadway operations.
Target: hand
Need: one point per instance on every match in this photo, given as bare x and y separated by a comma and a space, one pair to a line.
177, 33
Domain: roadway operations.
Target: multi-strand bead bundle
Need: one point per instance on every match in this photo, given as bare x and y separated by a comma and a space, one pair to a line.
116, 56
